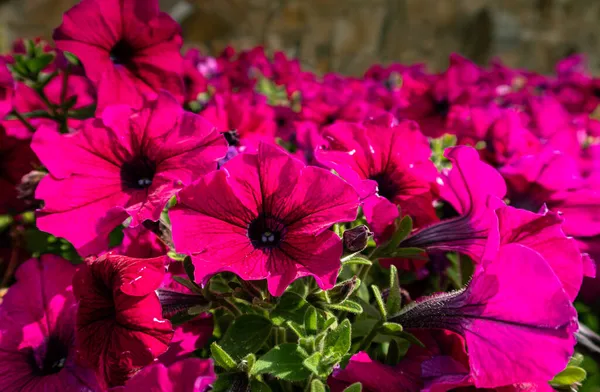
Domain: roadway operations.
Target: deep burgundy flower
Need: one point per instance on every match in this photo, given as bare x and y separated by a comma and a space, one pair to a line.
125, 46
119, 327
16, 160
37, 336
389, 166
128, 163
264, 216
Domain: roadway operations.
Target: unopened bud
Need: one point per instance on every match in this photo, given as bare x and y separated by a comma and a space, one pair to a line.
356, 239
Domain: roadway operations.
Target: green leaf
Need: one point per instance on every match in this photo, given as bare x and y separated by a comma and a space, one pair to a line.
296, 328
317, 386
37, 64
221, 357
231, 382
338, 340
311, 321
391, 328
189, 268
356, 387
258, 386
404, 227
5, 222
246, 335
394, 300
358, 260
291, 307
411, 253
346, 306
71, 58
571, 375
284, 361
312, 363
249, 361
379, 302
394, 354
185, 283
576, 359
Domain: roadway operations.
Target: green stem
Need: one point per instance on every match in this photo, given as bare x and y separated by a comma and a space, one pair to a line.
22, 119
366, 342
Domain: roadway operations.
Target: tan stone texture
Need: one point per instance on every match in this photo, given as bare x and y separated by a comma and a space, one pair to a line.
349, 35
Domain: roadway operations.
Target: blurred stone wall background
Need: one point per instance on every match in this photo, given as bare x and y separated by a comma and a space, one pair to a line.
349, 35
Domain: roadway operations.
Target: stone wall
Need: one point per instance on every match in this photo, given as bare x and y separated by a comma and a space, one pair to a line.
349, 35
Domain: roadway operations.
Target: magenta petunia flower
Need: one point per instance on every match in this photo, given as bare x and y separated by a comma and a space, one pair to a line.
37, 350
7, 90
264, 216
126, 47
442, 364
542, 232
189, 375
515, 316
128, 163
119, 327
247, 114
473, 199
141, 243
388, 164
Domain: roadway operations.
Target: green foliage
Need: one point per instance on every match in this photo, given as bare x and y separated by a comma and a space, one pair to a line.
284, 361
246, 335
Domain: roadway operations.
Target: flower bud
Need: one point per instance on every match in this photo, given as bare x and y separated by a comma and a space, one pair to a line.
356, 238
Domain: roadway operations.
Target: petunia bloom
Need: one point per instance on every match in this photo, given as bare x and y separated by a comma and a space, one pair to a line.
542, 232
473, 199
189, 375
127, 47
388, 164
37, 336
119, 326
7, 90
264, 216
126, 164
516, 319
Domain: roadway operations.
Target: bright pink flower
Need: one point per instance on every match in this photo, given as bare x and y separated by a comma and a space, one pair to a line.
126, 47
554, 178
128, 163
264, 216
16, 160
439, 366
140, 243
188, 337
515, 316
189, 375
388, 165
542, 232
7, 90
37, 351
248, 114
194, 81
119, 326
474, 200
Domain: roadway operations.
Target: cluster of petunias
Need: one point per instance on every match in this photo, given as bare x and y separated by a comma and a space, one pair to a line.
240, 201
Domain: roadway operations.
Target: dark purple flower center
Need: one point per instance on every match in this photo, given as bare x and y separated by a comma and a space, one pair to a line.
442, 107
122, 53
232, 137
386, 186
138, 173
51, 358
266, 232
